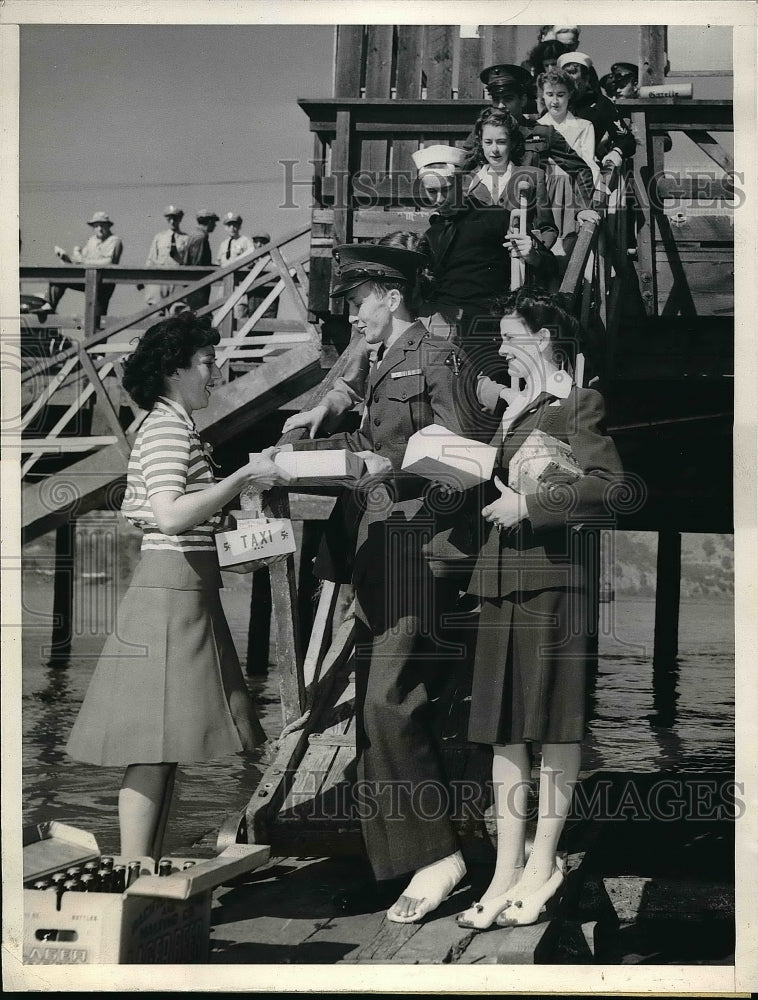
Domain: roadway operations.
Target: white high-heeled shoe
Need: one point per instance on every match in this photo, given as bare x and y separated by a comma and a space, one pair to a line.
528, 909
483, 914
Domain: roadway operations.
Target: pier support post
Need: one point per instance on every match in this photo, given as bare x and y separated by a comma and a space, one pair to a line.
668, 581
259, 626
63, 594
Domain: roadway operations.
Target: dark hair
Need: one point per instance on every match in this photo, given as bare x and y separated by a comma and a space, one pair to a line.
499, 118
545, 50
540, 309
557, 76
165, 348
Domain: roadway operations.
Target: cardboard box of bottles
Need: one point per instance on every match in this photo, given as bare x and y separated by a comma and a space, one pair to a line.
156, 919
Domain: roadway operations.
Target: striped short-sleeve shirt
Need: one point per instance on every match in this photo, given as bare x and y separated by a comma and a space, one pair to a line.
167, 456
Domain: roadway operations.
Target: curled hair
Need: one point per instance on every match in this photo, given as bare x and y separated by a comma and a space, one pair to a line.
549, 50
499, 118
557, 76
542, 310
165, 348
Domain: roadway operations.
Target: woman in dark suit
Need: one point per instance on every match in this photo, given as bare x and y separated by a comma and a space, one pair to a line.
533, 577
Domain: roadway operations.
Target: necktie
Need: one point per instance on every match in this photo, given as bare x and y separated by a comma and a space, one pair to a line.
229, 248
173, 252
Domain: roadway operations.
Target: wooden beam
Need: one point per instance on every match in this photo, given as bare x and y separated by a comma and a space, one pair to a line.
378, 71
105, 401
289, 655
707, 189
91, 311
410, 59
667, 589
652, 57
642, 167
259, 624
63, 594
438, 60
410, 62
711, 147
341, 164
469, 67
504, 44
349, 60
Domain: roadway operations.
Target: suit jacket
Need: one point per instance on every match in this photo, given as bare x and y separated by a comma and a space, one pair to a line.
538, 212
548, 549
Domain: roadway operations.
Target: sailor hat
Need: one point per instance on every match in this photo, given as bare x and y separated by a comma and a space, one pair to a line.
574, 57
439, 159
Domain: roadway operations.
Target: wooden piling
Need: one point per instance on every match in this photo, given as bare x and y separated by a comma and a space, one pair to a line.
259, 625
63, 595
668, 580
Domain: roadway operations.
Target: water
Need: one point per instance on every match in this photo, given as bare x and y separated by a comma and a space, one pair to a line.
638, 723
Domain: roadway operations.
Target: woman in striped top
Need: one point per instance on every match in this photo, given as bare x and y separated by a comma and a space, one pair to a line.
168, 687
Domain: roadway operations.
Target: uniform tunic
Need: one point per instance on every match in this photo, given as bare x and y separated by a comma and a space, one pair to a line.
401, 653
168, 685
534, 580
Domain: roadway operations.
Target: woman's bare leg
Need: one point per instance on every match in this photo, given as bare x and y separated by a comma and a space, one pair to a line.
143, 805
511, 772
558, 774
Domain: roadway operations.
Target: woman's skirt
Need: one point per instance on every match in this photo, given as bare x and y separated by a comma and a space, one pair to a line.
530, 668
562, 199
168, 686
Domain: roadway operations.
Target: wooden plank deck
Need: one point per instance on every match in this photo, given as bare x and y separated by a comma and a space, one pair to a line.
634, 893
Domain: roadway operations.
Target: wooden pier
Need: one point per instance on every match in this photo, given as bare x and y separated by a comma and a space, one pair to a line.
659, 311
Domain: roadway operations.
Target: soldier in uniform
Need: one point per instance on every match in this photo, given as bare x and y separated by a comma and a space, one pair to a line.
624, 81
415, 380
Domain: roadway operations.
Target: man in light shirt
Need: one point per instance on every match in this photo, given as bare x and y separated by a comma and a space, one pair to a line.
102, 249
166, 250
235, 245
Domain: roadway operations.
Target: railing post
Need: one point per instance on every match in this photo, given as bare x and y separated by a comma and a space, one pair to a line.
92, 281
289, 654
645, 182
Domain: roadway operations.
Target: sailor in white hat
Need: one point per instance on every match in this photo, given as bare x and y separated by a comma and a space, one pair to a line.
166, 250
102, 249
437, 167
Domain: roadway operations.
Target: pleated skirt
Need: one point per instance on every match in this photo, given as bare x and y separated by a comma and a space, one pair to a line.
530, 668
168, 685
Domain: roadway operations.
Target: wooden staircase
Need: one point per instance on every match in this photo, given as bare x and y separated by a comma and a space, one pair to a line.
69, 397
